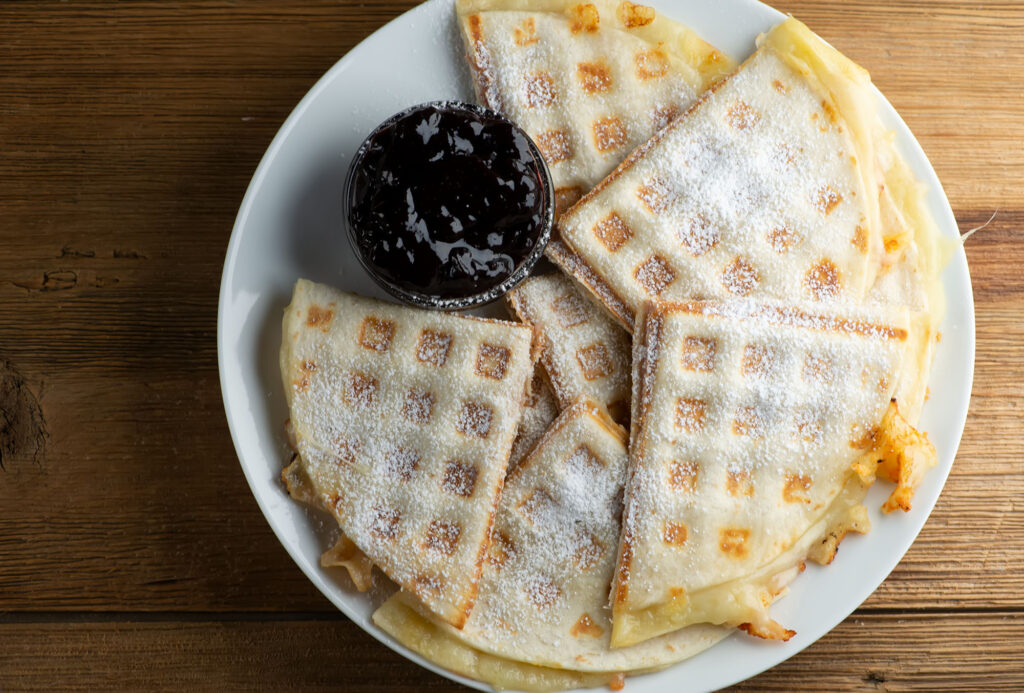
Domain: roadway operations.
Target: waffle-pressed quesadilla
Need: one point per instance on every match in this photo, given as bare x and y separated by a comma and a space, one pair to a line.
588, 81
772, 186
542, 604
403, 420
757, 431
585, 353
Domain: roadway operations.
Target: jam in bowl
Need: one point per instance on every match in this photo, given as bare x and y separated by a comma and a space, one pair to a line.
449, 205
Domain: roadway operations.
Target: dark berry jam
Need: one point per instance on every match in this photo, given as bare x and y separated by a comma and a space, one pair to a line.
449, 201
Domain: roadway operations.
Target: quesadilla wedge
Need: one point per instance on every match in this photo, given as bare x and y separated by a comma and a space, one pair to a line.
403, 420
770, 187
758, 429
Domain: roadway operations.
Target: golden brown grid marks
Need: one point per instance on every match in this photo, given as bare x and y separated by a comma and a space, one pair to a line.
654, 274
376, 333
345, 450
525, 33
442, 536
555, 146
475, 420
585, 626
613, 232
501, 550
583, 17
492, 361
740, 115
570, 310
795, 490
699, 354
783, 155
674, 533
360, 390
822, 280
594, 77
739, 483
536, 504
759, 361
594, 361
817, 367
748, 422
733, 541
739, 277
682, 475
633, 16
426, 585
782, 238
566, 197
690, 414
540, 90
826, 199
651, 64
400, 462
433, 347
459, 478
384, 524
870, 377
655, 195
808, 425
306, 371
609, 134
586, 549
318, 316
698, 235
419, 405
542, 592
663, 115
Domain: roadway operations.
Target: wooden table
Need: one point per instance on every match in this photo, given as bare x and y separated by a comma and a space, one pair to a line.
132, 555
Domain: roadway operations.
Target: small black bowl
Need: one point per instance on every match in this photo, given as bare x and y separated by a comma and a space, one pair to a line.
406, 233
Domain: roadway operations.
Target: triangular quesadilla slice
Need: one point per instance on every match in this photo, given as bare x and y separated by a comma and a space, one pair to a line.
544, 591
588, 81
585, 353
758, 429
403, 420
768, 188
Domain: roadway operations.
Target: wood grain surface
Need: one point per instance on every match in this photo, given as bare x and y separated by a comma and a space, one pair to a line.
132, 554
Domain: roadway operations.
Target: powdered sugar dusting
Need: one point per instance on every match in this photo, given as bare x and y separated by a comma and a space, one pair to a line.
404, 420
743, 196
586, 353
598, 89
776, 438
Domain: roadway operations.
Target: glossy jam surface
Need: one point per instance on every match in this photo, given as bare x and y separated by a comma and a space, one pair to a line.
445, 201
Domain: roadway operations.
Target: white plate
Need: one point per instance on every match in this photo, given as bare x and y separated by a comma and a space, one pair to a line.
290, 226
